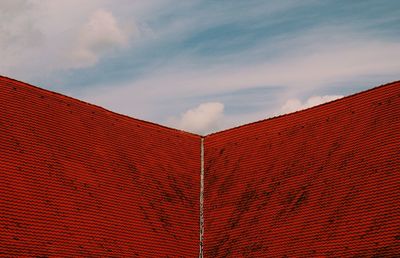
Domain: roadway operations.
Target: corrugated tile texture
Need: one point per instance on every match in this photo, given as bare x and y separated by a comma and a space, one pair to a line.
324, 182
78, 180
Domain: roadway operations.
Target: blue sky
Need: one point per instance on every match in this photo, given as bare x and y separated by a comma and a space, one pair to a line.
201, 65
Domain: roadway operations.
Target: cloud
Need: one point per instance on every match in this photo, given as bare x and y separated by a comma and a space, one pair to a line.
302, 62
11, 7
57, 35
311, 63
197, 53
99, 35
203, 119
294, 104
18, 30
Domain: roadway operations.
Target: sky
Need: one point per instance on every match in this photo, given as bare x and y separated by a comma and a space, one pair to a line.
201, 65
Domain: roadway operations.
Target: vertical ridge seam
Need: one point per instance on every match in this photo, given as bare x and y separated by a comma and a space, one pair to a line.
201, 196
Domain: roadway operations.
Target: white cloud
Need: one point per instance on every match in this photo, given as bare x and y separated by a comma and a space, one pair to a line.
18, 31
321, 63
99, 35
311, 65
56, 35
11, 7
203, 119
294, 104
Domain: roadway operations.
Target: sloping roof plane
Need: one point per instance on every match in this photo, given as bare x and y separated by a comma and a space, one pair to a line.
79, 180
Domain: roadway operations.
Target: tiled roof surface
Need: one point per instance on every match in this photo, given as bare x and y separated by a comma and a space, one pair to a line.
78, 180
323, 182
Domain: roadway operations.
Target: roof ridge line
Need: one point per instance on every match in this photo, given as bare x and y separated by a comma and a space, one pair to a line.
302, 110
97, 106
190, 133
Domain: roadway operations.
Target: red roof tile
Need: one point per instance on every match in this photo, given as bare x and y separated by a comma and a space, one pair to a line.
77, 179
321, 182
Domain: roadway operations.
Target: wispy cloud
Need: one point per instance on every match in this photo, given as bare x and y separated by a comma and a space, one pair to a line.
205, 118
309, 68
99, 35
60, 36
154, 59
292, 105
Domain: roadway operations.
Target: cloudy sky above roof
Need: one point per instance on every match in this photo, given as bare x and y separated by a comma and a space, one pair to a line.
201, 65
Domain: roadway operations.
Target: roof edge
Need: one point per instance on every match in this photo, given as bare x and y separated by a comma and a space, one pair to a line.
189, 133
5, 78
303, 110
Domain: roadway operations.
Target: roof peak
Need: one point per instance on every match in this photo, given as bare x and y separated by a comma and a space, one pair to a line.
153, 124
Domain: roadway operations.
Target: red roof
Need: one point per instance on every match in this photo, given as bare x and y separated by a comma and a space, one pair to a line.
323, 182
78, 180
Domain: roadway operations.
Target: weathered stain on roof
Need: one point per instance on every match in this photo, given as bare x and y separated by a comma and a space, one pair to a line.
320, 182
79, 180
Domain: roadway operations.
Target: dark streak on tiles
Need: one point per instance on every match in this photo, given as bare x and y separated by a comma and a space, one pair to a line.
78, 180
328, 185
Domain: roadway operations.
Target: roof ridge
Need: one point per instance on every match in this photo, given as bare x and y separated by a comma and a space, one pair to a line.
57, 94
306, 109
189, 133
